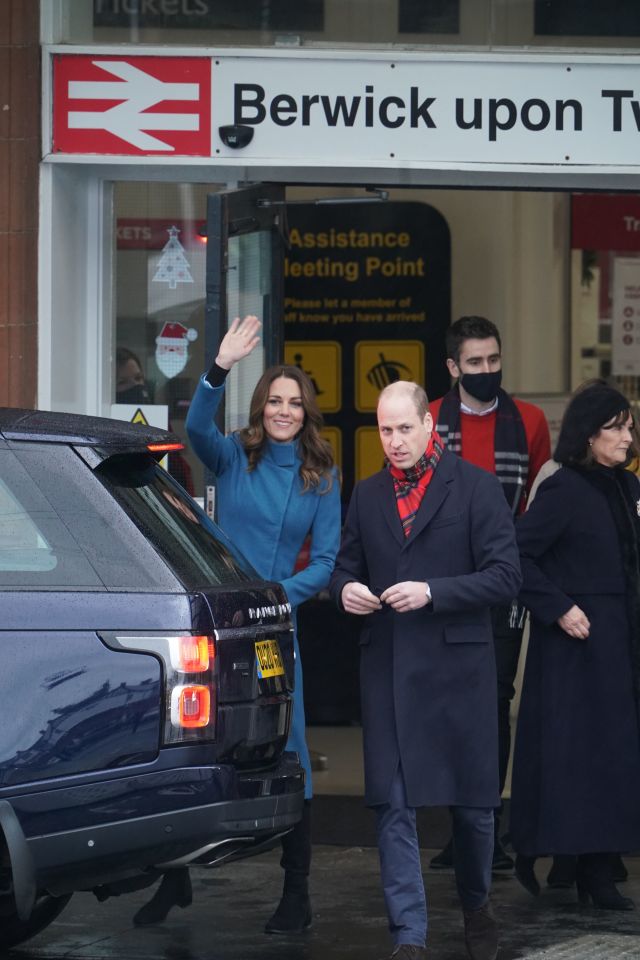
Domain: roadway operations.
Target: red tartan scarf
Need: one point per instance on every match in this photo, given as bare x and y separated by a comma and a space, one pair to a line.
410, 485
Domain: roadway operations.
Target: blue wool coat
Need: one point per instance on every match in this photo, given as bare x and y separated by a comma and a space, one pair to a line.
267, 517
428, 677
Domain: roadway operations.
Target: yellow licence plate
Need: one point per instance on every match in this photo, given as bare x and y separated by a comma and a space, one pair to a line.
269, 659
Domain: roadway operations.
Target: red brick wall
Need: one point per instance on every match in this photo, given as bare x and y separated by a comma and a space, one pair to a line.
19, 157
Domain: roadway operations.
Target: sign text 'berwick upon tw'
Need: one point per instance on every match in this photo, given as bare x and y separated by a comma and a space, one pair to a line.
415, 110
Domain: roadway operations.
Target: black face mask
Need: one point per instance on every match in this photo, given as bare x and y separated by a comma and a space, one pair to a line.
482, 386
136, 394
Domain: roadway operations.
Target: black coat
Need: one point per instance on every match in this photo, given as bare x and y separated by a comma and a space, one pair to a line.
428, 677
576, 776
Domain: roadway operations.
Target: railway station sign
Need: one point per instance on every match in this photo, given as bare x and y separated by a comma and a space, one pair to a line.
422, 109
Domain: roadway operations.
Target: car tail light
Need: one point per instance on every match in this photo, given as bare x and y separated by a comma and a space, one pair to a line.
191, 706
191, 654
164, 447
190, 672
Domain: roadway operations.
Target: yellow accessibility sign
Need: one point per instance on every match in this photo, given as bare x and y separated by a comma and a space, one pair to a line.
321, 360
369, 454
381, 362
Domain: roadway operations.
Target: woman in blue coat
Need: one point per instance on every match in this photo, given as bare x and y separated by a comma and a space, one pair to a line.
576, 774
275, 484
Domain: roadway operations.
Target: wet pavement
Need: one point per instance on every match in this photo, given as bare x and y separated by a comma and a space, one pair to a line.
232, 902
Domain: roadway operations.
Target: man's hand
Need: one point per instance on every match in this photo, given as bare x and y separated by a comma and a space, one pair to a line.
356, 598
410, 595
575, 622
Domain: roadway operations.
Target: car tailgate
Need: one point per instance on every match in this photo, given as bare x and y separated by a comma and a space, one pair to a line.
255, 669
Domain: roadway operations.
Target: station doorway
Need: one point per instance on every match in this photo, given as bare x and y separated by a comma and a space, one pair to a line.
358, 289
337, 297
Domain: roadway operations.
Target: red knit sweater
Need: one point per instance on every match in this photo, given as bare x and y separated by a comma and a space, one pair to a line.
478, 437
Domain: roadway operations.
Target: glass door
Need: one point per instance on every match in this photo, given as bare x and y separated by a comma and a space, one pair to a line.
244, 275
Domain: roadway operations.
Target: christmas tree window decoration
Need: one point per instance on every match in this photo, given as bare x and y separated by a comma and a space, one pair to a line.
173, 267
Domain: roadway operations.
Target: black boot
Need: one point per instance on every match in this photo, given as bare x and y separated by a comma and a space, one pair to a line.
293, 913
174, 891
594, 880
525, 873
620, 872
562, 874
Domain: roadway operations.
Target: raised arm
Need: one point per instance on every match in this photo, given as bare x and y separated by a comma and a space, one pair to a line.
214, 449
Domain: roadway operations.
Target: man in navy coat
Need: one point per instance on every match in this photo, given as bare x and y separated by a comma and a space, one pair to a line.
428, 547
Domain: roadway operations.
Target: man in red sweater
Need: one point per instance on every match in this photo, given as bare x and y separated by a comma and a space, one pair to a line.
483, 424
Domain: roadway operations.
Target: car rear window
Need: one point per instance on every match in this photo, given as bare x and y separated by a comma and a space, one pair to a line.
60, 530
22, 545
195, 547
36, 548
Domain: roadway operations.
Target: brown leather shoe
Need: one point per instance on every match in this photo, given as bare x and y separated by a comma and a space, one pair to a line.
481, 933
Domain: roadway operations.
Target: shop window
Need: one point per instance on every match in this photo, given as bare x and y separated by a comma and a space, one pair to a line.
439, 16
575, 18
159, 350
268, 23
605, 290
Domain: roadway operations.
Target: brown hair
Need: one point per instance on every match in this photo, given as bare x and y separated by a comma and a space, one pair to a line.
469, 328
315, 453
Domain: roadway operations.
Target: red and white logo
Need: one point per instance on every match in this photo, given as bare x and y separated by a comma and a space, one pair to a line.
132, 105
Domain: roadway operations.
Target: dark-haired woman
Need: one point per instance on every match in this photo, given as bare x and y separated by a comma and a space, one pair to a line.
276, 483
576, 776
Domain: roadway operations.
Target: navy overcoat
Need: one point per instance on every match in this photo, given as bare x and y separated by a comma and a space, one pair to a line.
428, 677
576, 775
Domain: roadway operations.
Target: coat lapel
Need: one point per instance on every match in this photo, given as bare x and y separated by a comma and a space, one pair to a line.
389, 507
435, 495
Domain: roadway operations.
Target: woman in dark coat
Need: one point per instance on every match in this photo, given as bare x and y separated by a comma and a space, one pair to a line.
576, 776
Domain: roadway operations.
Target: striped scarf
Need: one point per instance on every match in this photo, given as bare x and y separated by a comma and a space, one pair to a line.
510, 443
410, 485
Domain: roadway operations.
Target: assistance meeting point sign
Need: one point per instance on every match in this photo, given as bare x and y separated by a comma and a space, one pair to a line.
366, 303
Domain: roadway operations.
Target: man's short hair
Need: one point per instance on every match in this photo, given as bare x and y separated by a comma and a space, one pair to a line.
414, 391
469, 328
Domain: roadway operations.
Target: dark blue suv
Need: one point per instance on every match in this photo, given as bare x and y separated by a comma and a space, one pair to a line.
147, 673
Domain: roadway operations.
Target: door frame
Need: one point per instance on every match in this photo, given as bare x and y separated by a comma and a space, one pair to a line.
235, 212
